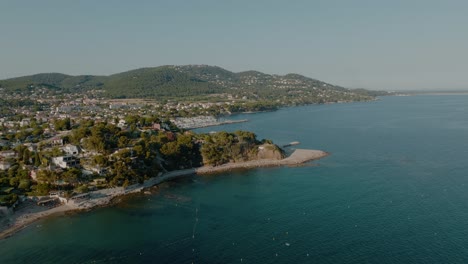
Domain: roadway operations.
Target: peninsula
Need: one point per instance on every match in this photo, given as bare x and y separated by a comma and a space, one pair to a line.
26, 216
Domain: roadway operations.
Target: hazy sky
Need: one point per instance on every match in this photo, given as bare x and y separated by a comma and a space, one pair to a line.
387, 44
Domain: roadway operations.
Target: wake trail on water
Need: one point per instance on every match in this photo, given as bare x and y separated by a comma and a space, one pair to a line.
195, 223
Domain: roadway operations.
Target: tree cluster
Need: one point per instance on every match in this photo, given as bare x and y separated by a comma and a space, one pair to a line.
224, 147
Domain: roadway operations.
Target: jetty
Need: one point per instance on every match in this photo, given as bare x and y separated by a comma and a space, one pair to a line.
294, 143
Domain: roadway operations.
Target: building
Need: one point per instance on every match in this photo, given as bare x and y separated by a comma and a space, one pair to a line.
71, 150
57, 141
8, 154
25, 122
117, 106
99, 170
156, 126
33, 174
66, 162
4, 165
88, 170
122, 123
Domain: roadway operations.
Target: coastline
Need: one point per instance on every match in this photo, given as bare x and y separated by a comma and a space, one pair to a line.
20, 220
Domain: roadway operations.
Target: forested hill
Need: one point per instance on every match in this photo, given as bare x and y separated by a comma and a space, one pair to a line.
192, 81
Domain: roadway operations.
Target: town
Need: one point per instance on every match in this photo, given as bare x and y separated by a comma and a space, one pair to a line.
56, 144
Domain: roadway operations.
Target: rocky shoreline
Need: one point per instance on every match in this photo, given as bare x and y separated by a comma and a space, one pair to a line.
299, 156
21, 219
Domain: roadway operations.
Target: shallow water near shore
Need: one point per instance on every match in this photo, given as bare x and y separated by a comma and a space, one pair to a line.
393, 190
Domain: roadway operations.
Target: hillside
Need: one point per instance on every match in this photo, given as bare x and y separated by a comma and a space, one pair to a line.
193, 82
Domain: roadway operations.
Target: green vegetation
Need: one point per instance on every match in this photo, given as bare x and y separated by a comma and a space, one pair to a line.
157, 82
127, 155
53, 81
224, 147
195, 82
8, 199
6, 106
63, 124
118, 156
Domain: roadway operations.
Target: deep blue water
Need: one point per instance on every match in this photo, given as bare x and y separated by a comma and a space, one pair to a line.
393, 190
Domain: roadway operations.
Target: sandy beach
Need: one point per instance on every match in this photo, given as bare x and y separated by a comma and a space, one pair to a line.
30, 213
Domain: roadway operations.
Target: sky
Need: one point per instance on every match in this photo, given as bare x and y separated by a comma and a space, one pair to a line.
374, 44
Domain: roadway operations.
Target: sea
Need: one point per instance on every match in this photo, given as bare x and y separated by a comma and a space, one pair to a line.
393, 190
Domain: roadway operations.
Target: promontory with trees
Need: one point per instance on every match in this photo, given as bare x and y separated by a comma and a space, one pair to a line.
107, 155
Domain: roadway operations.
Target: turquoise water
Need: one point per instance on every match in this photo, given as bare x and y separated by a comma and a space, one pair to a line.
394, 190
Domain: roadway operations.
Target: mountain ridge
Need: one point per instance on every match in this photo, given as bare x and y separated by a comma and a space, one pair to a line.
189, 81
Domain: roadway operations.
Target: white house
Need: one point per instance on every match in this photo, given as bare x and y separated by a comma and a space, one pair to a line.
8, 154
57, 141
25, 122
33, 174
4, 165
94, 169
71, 150
66, 162
122, 123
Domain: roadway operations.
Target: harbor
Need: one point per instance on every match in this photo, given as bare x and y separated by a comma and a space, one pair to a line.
203, 121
